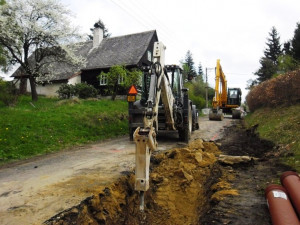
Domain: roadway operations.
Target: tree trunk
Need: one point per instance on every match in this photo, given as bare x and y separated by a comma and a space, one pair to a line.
34, 94
115, 90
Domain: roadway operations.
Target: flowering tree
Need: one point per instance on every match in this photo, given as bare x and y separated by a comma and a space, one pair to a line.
36, 34
2, 56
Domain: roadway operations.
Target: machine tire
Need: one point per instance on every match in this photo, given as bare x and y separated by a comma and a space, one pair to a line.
187, 129
195, 118
131, 131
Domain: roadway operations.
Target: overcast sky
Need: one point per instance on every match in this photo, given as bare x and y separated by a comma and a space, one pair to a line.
234, 31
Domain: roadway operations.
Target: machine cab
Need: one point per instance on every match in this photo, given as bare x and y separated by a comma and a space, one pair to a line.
174, 73
234, 96
174, 76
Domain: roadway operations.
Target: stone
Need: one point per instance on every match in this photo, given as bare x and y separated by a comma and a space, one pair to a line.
230, 159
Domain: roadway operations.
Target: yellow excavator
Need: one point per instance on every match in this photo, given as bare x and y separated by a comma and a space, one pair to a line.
225, 101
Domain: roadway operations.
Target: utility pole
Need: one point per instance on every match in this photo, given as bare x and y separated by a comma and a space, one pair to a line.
206, 89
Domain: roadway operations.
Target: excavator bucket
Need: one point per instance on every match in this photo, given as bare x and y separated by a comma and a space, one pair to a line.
216, 115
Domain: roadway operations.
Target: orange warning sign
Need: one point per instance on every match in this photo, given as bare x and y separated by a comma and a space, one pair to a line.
132, 90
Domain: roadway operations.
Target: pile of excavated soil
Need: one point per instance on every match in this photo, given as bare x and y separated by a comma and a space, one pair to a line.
182, 182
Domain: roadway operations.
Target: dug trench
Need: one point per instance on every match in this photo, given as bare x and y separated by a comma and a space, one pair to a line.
201, 183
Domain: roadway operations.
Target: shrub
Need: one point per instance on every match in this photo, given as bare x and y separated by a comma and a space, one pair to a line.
66, 91
197, 93
84, 91
197, 99
81, 90
8, 93
282, 90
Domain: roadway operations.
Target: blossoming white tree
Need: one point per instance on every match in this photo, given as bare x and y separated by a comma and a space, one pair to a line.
36, 34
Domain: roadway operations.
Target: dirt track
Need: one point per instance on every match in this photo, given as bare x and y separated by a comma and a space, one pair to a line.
32, 191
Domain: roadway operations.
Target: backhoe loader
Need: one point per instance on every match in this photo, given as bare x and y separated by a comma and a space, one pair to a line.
164, 105
225, 101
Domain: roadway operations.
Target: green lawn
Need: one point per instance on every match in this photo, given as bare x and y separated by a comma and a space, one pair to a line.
281, 125
51, 124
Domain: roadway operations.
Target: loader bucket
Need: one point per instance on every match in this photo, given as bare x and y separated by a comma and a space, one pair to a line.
216, 115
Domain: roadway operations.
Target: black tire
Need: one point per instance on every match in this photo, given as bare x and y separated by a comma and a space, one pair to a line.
131, 131
187, 129
181, 134
195, 125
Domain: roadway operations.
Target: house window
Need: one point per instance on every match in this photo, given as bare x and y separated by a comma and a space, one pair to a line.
103, 80
121, 79
149, 55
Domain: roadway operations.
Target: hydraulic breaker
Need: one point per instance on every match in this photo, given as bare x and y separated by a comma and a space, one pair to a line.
145, 140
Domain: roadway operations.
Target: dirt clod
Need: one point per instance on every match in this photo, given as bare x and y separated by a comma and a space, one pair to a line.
230, 159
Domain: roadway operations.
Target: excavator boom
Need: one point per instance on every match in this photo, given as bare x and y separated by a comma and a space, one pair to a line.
220, 87
145, 137
224, 101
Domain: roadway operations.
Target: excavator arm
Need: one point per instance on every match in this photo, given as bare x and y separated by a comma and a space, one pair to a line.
220, 98
145, 137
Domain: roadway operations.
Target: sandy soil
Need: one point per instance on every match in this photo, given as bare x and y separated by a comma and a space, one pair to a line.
34, 190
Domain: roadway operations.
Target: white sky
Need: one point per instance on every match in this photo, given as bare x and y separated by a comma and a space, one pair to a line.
234, 31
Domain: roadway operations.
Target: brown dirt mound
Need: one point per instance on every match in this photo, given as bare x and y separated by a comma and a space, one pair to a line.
179, 191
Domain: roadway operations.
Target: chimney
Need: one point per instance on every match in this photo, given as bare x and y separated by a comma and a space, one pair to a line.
97, 36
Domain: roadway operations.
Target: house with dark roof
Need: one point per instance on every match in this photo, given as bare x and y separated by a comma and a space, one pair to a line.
132, 51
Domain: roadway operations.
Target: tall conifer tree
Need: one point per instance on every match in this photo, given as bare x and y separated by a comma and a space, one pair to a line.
296, 43
200, 71
269, 61
273, 50
189, 61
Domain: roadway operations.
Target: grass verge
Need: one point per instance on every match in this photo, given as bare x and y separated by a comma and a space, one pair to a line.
280, 125
50, 124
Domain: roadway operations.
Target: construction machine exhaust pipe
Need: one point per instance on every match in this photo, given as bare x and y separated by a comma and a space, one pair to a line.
291, 181
280, 207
